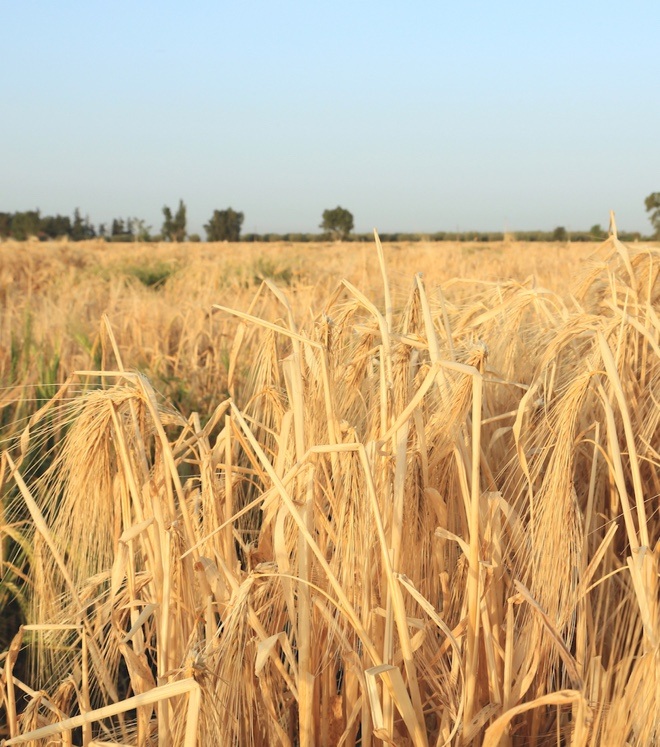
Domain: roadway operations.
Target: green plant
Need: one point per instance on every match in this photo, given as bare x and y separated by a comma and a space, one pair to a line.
174, 227
266, 268
338, 223
224, 225
151, 274
652, 205
560, 234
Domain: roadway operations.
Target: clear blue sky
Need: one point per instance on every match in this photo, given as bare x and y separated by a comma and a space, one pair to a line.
415, 116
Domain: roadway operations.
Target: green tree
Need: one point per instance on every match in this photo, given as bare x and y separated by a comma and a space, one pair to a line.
5, 225
338, 223
117, 228
89, 232
139, 229
24, 225
168, 224
78, 226
652, 204
81, 228
224, 225
55, 226
122, 230
174, 227
597, 232
560, 234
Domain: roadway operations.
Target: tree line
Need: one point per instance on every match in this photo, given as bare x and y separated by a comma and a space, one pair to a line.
226, 225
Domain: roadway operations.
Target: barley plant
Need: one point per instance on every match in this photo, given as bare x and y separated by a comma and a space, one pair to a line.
420, 518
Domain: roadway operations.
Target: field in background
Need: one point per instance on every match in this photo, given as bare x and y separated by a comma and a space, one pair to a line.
159, 300
344, 504
159, 297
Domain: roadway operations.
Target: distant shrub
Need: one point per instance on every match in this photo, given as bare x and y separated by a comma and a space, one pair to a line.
152, 274
265, 268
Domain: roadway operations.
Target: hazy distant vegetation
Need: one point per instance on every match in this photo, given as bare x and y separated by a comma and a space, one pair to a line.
226, 225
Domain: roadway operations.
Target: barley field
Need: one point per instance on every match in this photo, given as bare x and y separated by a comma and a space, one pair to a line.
324, 494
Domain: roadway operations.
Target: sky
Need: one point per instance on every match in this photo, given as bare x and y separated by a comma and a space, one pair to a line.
415, 116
